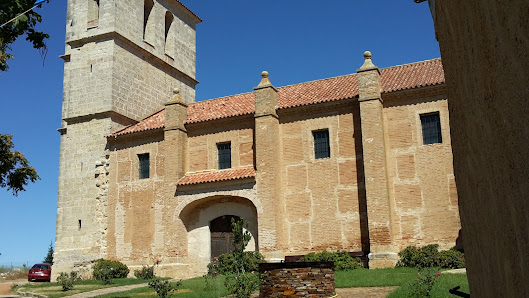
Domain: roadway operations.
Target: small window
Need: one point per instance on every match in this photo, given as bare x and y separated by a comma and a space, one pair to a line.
431, 128
144, 165
321, 144
224, 150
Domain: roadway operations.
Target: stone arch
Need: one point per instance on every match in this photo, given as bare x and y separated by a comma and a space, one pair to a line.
170, 34
149, 22
197, 216
93, 13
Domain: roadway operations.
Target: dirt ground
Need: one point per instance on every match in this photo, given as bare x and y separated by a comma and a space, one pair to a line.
5, 285
371, 292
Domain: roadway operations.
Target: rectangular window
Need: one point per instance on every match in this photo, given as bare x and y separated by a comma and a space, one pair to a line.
224, 151
144, 165
431, 128
321, 144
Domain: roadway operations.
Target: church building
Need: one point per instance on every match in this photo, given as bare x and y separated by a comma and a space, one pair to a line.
360, 162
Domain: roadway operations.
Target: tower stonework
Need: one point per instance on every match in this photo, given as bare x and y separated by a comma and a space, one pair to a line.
122, 61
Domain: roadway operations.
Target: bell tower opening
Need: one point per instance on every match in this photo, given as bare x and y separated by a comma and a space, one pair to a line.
221, 235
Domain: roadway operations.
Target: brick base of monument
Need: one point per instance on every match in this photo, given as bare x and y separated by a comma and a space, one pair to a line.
297, 279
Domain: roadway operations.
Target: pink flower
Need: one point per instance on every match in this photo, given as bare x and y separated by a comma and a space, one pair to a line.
252, 272
216, 258
418, 274
215, 272
438, 273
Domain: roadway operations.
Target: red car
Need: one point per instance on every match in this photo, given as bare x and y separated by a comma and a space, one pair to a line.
40, 272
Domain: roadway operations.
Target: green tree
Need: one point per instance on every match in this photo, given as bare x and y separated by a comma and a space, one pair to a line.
15, 172
25, 24
243, 283
49, 256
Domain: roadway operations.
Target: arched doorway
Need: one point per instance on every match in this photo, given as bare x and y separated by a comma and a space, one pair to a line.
221, 235
206, 216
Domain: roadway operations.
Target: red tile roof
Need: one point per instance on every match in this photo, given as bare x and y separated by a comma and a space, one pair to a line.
396, 78
216, 175
154, 121
229, 106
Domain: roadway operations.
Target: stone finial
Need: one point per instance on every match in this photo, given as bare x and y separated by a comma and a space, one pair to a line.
176, 97
264, 80
368, 63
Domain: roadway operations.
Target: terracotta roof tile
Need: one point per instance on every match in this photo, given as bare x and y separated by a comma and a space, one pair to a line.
216, 175
402, 77
413, 75
229, 106
318, 91
154, 121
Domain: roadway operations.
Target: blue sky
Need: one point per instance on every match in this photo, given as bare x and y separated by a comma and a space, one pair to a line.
294, 40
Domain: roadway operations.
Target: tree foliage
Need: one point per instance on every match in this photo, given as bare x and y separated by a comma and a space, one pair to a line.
49, 256
25, 24
15, 172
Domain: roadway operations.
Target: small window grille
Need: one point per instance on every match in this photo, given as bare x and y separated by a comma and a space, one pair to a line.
431, 129
224, 151
321, 144
144, 165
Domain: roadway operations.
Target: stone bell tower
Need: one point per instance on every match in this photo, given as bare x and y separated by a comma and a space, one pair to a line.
122, 61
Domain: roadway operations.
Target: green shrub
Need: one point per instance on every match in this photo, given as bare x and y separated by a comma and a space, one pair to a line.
342, 260
163, 287
425, 281
147, 272
225, 263
451, 259
66, 280
105, 270
430, 256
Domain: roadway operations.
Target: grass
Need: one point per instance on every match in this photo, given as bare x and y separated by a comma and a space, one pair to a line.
375, 277
194, 287
53, 289
440, 289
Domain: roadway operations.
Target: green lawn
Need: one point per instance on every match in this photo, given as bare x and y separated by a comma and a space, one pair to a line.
375, 277
440, 289
194, 287
53, 289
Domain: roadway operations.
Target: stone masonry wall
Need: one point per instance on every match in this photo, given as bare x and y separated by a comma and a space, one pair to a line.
421, 177
202, 149
297, 279
135, 217
484, 46
323, 198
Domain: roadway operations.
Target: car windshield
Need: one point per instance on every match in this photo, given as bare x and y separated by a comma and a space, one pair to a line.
40, 266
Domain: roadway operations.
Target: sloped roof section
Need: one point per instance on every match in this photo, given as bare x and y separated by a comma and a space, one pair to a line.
413, 75
216, 176
224, 107
396, 78
154, 121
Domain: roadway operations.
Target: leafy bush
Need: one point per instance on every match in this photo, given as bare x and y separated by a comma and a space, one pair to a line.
430, 256
147, 272
225, 263
66, 280
425, 281
242, 285
163, 287
451, 259
105, 270
342, 260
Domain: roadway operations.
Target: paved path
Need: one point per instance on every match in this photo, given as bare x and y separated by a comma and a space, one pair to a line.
109, 290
